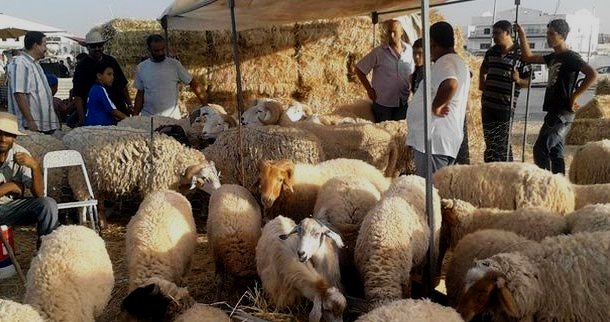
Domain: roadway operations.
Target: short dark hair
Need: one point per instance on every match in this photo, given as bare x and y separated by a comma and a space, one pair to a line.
81, 56
560, 26
154, 38
504, 25
442, 34
101, 66
32, 38
419, 43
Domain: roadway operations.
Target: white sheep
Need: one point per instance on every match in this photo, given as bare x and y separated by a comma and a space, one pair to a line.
562, 278
590, 218
506, 185
160, 243
203, 313
591, 194
393, 240
461, 218
233, 227
271, 112
412, 311
200, 114
286, 278
15, 312
216, 124
71, 277
587, 166
291, 189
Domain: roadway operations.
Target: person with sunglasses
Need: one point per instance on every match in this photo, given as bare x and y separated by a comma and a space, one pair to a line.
85, 77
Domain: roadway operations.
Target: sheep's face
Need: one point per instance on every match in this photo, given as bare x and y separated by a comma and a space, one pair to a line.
484, 288
216, 124
203, 176
201, 114
312, 234
295, 112
274, 177
333, 305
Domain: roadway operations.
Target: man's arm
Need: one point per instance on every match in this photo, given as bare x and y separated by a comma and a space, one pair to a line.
11, 188
196, 88
590, 76
118, 114
367, 85
526, 53
139, 102
80, 110
482, 76
521, 82
446, 92
24, 107
26, 160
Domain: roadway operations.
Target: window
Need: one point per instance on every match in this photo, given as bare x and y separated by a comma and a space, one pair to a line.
485, 46
486, 31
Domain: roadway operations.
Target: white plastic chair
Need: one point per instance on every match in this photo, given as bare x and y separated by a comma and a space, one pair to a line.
71, 158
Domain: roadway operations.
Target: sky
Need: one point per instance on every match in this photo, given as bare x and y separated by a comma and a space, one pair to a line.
78, 16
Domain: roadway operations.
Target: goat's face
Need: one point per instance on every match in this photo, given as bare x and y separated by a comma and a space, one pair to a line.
333, 305
203, 176
312, 233
274, 177
216, 124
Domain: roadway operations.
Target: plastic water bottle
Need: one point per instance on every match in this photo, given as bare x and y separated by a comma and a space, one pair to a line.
7, 269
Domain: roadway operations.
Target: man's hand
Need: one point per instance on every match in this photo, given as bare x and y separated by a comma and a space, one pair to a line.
519, 29
516, 77
371, 93
32, 126
26, 160
441, 111
574, 106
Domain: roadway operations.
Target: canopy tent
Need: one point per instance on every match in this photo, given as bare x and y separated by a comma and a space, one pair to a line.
10, 32
215, 14
10, 22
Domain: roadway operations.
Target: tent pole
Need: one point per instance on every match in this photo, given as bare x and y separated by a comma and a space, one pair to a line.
425, 14
375, 20
165, 33
240, 98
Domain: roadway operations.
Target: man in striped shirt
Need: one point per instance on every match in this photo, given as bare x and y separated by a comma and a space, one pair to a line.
501, 67
29, 94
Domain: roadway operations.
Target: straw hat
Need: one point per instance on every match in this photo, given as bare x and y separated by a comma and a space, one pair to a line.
94, 37
8, 124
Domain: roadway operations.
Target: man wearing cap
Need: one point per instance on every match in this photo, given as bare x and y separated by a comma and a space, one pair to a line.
29, 94
85, 77
18, 172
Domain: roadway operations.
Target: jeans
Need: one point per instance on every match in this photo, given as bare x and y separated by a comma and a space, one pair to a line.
42, 211
550, 145
384, 113
496, 126
438, 162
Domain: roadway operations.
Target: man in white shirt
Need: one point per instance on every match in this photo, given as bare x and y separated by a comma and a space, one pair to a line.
450, 82
392, 65
157, 81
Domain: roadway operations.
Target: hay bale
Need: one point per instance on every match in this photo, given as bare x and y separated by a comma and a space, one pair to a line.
591, 163
588, 130
597, 107
603, 87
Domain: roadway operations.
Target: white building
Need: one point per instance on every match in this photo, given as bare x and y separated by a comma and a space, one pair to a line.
584, 30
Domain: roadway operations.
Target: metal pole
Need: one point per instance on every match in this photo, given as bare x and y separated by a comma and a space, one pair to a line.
493, 19
375, 20
425, 14
240, 98
527, 108
164, 26
512, 91
12, 256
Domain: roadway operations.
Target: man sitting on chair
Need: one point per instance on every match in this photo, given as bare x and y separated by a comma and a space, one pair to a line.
18, 172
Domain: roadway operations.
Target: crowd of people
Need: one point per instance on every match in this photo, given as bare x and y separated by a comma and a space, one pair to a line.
101, 97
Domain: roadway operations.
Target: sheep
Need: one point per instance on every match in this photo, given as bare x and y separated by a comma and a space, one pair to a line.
591, 194
591, 218
192, 131
119, 163
233, 227
71, 277
359, 110
216, 124
587, 167
160, 242
271, 112
39, 144
405, 163
260, 143
200, 114
286, 278
393, 240
588, 130
203, 313
461, 218
15, 312
562, 278
506, 186
478, 245
290, 188
412, 311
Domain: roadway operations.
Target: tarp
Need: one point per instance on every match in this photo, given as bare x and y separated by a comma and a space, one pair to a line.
7, 21
215, 14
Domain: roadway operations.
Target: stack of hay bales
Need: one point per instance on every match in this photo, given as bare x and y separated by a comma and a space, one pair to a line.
603, 87
313, 62
592, 122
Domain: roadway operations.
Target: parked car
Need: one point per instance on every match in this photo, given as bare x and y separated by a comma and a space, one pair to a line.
602, 73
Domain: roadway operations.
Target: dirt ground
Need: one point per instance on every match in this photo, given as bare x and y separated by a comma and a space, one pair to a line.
247, 295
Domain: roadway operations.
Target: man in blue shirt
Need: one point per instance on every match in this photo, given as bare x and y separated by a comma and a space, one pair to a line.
100, 108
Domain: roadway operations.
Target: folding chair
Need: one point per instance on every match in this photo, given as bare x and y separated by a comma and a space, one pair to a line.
71, 158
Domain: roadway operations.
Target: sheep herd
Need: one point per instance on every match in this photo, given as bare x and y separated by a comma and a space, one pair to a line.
323, 223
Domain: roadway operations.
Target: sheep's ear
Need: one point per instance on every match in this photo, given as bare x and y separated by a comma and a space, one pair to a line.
193, 183
292, 232
506, 299
477, 297
335, 237
289, 179
448, 212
